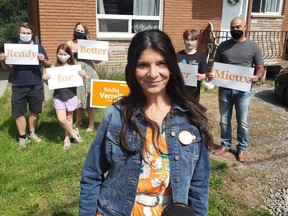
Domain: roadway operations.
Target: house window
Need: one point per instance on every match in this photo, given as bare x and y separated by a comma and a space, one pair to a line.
121, 19
272, 7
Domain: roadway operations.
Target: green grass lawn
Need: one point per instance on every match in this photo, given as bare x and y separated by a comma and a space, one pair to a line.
44, 180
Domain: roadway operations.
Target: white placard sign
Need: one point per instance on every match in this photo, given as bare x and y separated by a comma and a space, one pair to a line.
93, 50
232, 76
21, 54
64, 76
189, 73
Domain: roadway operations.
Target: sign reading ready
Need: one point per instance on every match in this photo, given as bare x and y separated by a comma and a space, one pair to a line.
232, 76
93, 50
105, 92
21, 54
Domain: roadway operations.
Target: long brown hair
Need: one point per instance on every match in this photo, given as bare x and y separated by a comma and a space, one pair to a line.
176, 89
87, 33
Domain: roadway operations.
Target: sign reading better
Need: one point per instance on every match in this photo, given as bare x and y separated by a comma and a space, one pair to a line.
232, 76
106, 92
21, 54
93, 50
64, 76
189, 73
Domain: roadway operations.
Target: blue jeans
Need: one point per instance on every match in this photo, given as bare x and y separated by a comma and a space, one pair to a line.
241, 100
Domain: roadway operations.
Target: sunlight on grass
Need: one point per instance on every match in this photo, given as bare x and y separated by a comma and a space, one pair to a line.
41, 179
220, 201
44, 180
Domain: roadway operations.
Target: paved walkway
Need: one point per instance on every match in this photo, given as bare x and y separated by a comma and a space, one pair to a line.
3, 81
4, 84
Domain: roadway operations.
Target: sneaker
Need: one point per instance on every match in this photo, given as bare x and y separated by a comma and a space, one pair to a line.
34, 137
22, 142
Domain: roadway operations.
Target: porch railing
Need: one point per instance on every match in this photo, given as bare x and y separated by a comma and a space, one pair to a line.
272, 43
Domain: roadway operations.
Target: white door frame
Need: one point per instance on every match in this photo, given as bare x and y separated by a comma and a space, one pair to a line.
229, 11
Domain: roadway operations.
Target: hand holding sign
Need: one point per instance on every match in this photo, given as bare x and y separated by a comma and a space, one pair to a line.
232, 76
21, 54
189, 73
64, 77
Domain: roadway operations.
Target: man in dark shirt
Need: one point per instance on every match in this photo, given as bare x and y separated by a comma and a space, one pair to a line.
243, 52
27, 88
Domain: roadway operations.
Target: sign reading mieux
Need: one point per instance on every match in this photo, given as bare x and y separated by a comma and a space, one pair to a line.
106, 92
232, 76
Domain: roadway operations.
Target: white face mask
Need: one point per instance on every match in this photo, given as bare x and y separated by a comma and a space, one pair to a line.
25, 37
189, 45
63, 58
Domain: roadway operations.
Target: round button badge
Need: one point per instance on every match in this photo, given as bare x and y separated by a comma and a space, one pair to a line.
186, 138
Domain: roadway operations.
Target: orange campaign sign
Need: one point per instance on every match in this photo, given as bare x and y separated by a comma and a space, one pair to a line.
106, 92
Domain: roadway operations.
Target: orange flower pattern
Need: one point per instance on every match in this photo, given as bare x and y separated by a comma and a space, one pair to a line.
154, 176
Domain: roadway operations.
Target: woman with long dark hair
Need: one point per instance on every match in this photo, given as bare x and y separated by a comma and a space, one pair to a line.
152, 147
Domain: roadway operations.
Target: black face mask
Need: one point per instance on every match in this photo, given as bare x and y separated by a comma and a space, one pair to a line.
236, 34
79, 35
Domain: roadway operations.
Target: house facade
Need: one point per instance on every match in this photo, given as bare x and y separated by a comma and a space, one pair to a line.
117, 21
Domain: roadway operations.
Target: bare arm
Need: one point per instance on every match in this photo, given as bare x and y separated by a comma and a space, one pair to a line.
2, 60
46, 63
258, 74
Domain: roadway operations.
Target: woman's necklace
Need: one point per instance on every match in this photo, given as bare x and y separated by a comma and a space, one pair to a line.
161, 128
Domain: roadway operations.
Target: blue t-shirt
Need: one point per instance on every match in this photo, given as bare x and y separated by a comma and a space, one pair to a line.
23, 75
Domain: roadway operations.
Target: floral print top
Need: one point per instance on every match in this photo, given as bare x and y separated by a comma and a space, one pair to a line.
155, 175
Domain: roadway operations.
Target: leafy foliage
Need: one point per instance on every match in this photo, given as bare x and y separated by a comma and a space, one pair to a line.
12, 13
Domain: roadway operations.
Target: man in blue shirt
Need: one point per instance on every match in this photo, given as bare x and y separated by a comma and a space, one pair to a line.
27, 88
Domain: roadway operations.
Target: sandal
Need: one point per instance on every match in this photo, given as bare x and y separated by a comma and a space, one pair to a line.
89, 129
67, 145
77, 137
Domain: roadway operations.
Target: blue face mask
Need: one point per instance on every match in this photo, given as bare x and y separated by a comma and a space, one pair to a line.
79, 35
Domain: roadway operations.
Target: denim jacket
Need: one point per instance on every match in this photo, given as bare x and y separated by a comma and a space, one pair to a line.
115, 195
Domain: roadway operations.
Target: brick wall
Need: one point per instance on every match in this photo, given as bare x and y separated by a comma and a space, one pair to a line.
266, 24
268, 34
118, 57
285, 16
182, 14
58, 18
276, 23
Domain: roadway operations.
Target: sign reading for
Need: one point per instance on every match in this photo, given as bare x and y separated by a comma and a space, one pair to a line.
106, 92
21, 54
93, 50
64, 77
232, 76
